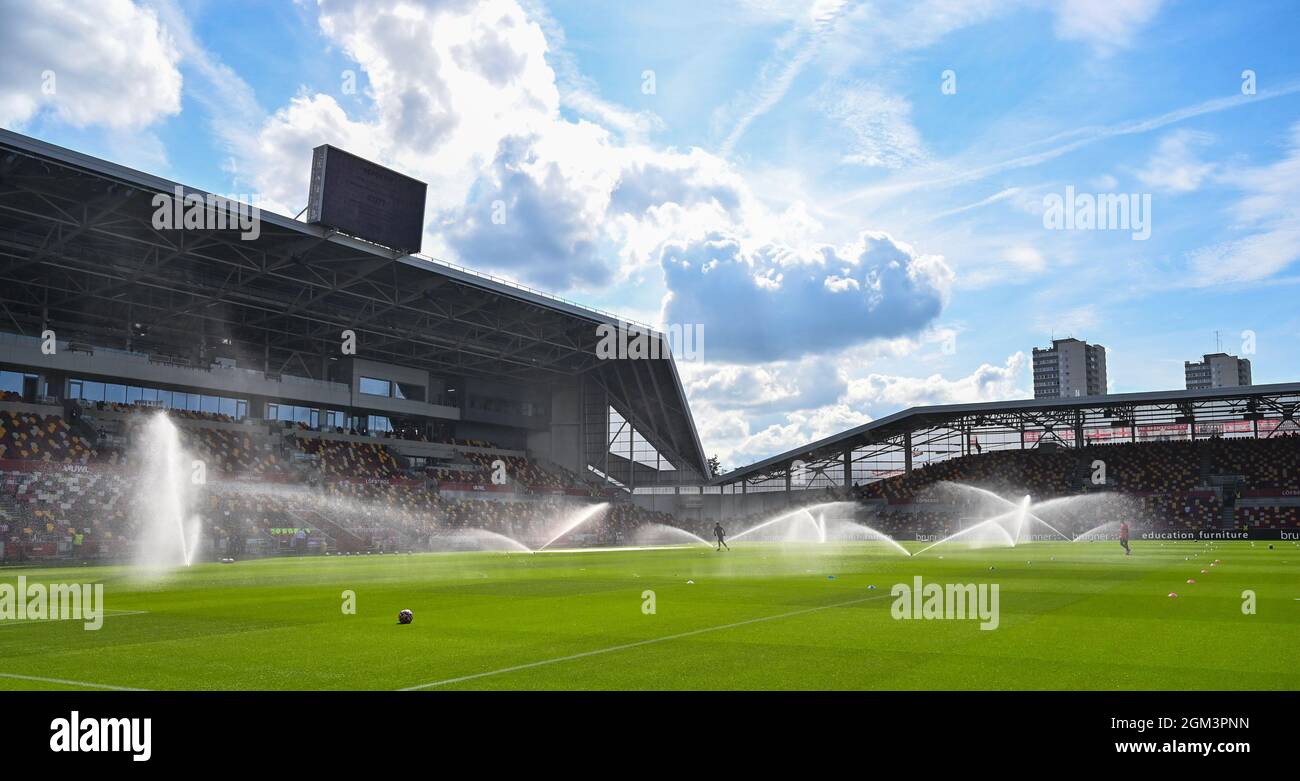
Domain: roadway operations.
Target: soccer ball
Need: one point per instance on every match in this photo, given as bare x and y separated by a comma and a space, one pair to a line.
405, 617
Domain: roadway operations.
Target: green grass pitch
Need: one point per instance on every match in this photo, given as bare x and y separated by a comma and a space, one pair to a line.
1080, 616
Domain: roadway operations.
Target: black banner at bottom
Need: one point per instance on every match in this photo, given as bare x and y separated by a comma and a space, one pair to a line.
141, 731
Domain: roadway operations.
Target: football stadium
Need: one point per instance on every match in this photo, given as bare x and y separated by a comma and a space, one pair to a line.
288, 454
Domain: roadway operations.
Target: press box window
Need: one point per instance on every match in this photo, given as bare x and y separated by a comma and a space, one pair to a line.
374, 387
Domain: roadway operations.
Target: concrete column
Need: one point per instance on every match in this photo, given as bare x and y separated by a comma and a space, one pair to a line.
256, 407
55, 384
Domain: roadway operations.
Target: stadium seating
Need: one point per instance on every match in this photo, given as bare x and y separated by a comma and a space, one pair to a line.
26, 436
1267, 463
351, 459
356, 495
43, 513
1269, 517
1168, 483
235, 452
77, 514
1040, 473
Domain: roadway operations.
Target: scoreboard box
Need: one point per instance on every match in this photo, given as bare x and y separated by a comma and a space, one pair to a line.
366, 200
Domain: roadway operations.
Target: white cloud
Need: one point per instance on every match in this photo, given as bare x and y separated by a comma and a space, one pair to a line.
737, 445
537, 210
1015, 194
579, 93
987, 383
230, 103
108, 63
879, 123
1268, 212
767, 387
733, 426
808, 304
835, 34
1175, 166
1249, 259
1025, 259
945, 174
633, 125
793, 52
448, 82
1105, 25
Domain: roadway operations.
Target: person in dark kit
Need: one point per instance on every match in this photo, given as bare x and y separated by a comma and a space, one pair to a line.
1123, 537
720, 534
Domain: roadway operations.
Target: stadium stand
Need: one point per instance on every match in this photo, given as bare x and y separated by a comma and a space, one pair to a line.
1176, 485
344, 496
305, 449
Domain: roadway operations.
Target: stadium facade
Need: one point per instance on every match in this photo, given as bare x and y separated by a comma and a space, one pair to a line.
101, 305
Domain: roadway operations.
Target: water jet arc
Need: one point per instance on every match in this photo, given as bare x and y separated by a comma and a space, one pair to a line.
578, 518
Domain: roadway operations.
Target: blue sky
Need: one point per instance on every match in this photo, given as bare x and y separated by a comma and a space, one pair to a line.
802, 178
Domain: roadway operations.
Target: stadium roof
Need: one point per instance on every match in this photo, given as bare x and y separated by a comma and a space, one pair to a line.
1284, 397
78, 250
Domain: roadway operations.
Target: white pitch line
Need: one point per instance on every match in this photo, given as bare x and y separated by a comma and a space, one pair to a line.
66, 682
637, 644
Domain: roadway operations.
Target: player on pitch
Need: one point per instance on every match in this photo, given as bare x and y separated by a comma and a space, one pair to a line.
720, 534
